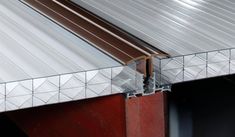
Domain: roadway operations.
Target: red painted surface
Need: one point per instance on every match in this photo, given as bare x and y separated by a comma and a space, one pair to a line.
99, 117
111, 116
146, 116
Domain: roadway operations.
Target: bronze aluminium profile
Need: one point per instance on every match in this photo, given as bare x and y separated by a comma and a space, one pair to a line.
118, 32
96, 31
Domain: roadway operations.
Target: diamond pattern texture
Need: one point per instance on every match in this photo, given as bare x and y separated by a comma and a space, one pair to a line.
194, 66
67, 87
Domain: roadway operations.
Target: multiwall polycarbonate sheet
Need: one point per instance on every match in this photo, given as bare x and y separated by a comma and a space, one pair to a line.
42, 63
194, 66
68, 87
33, 46
177, 27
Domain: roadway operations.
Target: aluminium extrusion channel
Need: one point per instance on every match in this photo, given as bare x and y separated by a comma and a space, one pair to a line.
43, 63
198, 35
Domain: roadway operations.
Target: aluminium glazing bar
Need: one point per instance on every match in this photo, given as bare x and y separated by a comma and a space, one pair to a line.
104, 36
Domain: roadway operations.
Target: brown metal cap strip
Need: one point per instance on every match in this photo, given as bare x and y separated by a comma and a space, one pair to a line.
101, 34
87, 29
113, 30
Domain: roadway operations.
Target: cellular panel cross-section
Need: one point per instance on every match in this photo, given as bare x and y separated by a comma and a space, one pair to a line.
43, 63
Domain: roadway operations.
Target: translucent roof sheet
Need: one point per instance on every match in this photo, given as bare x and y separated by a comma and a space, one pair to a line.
42, 63
199, 35
32, 46
178, 27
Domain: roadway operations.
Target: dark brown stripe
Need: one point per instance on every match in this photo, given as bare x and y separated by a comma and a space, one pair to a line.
103, 35
108, 26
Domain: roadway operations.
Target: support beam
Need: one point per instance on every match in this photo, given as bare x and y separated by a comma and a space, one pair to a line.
110, 116
146, 116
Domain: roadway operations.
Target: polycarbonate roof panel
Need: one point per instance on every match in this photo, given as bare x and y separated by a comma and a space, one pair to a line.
32, 46
177, 27
42, 63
